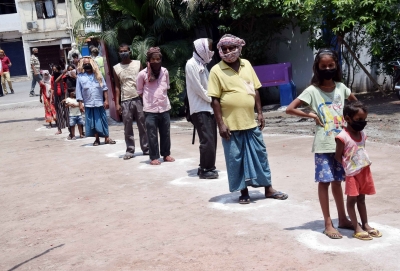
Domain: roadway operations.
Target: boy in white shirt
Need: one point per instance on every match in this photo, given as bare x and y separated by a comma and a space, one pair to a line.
75, 115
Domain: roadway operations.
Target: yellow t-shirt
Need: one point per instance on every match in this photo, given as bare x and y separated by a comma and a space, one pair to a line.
236, 92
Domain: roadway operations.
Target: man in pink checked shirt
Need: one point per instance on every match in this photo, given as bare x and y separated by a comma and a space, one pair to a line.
153, 84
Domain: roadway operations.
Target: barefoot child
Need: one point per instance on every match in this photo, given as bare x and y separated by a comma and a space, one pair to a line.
350, 151
75, 116
325, 96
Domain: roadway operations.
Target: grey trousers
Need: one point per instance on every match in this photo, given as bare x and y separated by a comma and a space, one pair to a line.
206, 127
133, 109
158, 123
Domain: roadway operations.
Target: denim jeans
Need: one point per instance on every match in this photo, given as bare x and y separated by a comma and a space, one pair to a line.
35, 78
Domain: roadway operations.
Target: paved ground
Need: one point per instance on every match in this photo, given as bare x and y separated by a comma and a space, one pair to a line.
70, 206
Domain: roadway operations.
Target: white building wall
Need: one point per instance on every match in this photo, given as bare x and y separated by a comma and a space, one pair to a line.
10, 23
51, 31
292, 47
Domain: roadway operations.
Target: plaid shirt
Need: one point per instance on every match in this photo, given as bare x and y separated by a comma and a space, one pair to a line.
35, 62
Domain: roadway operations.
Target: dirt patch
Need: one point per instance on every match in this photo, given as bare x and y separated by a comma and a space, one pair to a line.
383, 119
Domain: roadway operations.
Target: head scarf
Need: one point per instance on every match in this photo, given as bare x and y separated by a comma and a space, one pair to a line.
153, 69
47, 82
46, 77
202, 53
230, 40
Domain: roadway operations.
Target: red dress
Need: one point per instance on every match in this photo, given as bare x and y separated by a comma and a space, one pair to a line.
49, 110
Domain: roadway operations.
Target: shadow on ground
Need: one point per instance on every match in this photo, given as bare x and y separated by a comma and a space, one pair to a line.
233, 198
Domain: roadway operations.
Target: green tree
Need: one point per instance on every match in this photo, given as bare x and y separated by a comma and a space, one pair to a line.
341, 17
257, 22
146, 23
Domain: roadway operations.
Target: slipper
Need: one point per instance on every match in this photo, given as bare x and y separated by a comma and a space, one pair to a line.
333, 234
362, 236
374, 233
128, 156
244, 199
96, 143
110, 141
278, 195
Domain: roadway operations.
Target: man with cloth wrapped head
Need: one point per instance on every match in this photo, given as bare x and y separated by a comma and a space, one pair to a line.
233, 86
153, 84
201, 111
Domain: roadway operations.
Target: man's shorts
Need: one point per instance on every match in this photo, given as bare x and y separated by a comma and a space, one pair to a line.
327, 169
74, 120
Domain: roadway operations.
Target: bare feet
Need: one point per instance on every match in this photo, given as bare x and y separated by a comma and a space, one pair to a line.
58, 132
155, 162
168, 159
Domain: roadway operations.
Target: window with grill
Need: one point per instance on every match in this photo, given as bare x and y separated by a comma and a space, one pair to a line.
45, 9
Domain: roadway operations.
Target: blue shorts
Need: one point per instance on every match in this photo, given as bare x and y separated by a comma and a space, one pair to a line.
74, 120
327, 169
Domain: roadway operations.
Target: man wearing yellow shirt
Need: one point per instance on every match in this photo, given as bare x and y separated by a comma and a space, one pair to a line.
233, 86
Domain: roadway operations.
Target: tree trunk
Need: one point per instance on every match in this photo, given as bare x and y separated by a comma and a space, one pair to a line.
362, 66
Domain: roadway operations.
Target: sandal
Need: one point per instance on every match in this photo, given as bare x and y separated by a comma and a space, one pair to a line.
169, 159
278, 195
155, 162
128, 156
96, 143
333, 234
362, 236
244, 199
109, 141
374, 233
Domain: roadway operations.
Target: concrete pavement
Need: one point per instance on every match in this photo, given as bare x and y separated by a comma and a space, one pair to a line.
67, 205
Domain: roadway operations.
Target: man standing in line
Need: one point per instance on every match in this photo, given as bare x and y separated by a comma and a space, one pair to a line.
125, 75
233, 86
99, 60
201, 112
35, 66
5, 63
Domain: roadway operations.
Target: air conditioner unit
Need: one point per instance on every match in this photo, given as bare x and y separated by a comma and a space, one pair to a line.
31, 25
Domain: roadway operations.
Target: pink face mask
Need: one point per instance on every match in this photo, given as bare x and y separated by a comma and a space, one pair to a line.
231, 56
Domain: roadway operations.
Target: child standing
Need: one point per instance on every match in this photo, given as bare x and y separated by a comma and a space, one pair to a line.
75, 116
325, 96
350, 151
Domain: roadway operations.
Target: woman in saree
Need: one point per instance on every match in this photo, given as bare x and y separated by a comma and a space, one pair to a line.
58, 95
50, 114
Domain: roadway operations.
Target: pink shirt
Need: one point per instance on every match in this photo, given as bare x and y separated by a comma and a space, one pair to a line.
155, 96
355, 157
